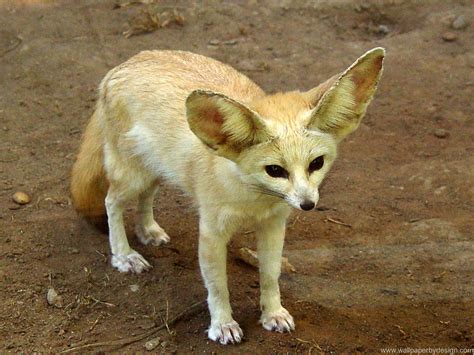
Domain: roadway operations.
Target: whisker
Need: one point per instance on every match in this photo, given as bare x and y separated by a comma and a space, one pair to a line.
265, 191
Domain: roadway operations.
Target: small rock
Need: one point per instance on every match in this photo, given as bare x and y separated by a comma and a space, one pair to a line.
134, 287
54, 299
440, 190
432, 109
360, 348
152, 344
441, 133
74, 251
389, 291
459, 23
383, 30
21, 198
231, 42
214, 42
449, 36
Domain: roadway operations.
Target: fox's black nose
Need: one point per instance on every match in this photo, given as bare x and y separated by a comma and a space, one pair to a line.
307, 205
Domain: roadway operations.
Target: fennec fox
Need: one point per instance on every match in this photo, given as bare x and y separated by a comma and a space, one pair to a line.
243, 156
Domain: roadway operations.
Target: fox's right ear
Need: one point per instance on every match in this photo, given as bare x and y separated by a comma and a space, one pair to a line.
223, 124
339, 104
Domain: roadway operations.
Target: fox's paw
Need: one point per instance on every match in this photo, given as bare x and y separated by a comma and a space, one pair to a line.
225, 333
152, 234
279, 321
132, 262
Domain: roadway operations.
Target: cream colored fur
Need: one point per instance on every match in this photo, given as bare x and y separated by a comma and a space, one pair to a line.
207, 128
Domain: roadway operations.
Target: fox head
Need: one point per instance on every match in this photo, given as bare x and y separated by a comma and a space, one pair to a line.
284, 144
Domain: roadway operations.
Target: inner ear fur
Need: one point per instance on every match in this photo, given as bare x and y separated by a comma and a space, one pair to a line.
223, 124
340, 103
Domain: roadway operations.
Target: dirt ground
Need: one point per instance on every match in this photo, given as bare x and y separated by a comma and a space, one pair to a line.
399, 273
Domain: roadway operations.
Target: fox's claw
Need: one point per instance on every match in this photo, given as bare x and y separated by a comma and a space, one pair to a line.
153, 234
132, 262
226, 333
280, 321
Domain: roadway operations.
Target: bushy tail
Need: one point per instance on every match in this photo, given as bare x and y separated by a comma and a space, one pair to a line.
88, 181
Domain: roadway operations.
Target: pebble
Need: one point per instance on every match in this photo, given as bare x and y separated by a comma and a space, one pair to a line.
231, 42
214, 42
134, 288
383, 30
360, 348
54, 299
459, 23
152, 344
449, 36
389, 291
441, 133
440, 190
21, 198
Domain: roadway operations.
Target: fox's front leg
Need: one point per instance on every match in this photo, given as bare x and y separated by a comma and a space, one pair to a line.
270, 238
213, 263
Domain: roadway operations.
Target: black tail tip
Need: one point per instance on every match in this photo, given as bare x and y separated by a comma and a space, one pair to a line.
99, 222
96, 218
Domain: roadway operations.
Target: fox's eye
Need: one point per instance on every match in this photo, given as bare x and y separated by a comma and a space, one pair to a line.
316, 164
276, 171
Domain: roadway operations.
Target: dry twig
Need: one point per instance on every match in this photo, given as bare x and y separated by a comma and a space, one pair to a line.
250, 257
118, 343
149, 21
18, 41
119, 5
335, 221
312, 344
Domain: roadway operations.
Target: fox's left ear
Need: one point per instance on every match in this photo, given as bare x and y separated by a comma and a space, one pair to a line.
340, 103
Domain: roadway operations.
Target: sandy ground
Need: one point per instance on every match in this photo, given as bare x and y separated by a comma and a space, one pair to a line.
398, 274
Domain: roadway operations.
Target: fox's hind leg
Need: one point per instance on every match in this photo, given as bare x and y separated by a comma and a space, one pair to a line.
124, 258
146, 228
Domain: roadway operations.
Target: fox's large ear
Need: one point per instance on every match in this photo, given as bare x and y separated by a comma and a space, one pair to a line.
340, 103
223, 124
